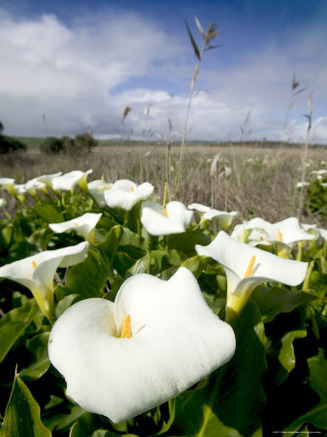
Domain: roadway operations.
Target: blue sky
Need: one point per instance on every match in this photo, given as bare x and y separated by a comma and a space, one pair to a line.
69, 65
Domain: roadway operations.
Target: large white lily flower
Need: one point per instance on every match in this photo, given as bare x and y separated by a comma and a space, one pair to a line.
125, 194
2, 202
97, 188
287, 231
155, 341
82, 225
173, 219
225, 218
246, 267
69, 180
37, 272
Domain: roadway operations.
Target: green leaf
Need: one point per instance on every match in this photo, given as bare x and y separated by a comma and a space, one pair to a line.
38, 345
88, 278
22, 415
62, 421
317, 416
49, 213
231, 402
14, 324
186, 241
276, 300
194, 264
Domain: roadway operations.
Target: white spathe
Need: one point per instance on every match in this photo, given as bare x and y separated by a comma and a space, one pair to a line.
68, 181
83, 225
173, 219
287, 231
97, 189
125, 194
176, 341
225, 218
37, 272
235, 257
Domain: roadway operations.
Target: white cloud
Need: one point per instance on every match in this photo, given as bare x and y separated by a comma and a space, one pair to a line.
84, 74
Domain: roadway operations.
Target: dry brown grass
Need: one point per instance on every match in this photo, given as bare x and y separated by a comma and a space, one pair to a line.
262, 181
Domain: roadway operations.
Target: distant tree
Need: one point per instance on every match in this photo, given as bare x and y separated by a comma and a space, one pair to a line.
82, 143
52, 146
8, 144
85, 142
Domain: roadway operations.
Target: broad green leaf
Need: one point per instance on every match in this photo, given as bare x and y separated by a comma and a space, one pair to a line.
49, 213
38, 345
132, 242
64, 420
88, 278
186, 241
231, 402
14, 324
276, 300
110, 245
22, 415
87, 426
194, 264
318, 382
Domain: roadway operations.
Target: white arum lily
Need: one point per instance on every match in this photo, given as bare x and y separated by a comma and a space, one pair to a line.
69, 180
125, 194
83, 225
173, 219
34, 185
37, 272
97, 189
155, 341
287, 231
225, 218
43, 181
246, 267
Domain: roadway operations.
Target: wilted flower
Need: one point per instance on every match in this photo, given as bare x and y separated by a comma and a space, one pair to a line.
69, 180
155, 341
173, 219
125, 194
37, 272
246, 267
83, 225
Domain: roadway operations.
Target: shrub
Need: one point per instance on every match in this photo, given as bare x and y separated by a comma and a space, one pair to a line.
72, 146
9, 145
52, 146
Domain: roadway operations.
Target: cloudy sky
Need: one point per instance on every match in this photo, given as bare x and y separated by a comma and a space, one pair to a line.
66, 66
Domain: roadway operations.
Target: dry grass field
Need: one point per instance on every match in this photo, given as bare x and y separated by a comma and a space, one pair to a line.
255, 181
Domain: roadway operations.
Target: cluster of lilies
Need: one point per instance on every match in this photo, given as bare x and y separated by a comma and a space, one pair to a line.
158, 337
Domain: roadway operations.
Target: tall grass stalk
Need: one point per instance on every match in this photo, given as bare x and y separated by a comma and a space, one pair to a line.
207, 36
127, 110
305, 153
